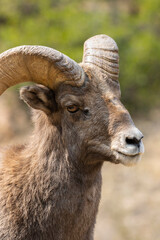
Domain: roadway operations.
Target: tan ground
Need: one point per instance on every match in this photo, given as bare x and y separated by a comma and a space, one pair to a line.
130, 204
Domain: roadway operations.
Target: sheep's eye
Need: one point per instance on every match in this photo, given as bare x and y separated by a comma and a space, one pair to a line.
72, 108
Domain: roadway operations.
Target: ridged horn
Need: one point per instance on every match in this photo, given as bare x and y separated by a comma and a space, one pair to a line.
101, 53
38, 64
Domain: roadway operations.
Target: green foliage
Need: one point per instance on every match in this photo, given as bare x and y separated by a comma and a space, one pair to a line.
65, 25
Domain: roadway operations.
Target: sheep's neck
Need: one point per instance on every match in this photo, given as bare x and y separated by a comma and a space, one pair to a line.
51, 182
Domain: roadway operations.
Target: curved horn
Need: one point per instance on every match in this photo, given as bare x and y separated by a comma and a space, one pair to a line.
38, 64
101, 52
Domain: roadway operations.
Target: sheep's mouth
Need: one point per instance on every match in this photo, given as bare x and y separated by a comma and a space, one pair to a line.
127, 158
128, 155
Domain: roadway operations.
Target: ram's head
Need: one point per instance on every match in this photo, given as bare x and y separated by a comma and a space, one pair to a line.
81, 100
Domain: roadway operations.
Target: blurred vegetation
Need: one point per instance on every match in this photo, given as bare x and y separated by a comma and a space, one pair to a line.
66, 24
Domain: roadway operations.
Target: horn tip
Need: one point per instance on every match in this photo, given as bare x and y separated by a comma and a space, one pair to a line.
101, 41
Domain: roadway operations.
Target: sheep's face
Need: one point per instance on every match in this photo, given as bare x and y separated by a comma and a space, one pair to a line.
94, 124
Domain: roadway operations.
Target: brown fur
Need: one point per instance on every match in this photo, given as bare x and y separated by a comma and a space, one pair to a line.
50, 188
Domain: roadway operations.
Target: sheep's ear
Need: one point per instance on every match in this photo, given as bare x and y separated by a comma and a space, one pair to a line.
39, 97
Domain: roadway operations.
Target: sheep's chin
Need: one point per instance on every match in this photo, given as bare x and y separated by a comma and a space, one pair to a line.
127, 160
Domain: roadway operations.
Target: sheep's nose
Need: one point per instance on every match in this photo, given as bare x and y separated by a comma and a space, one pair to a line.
129, 142
134, 140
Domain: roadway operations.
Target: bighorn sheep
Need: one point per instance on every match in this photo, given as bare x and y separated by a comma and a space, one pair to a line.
50, 187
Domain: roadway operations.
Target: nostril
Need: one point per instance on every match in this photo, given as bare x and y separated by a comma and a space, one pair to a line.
133, 141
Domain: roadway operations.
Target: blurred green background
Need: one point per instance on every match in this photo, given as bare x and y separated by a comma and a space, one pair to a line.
130, 203
66, 24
